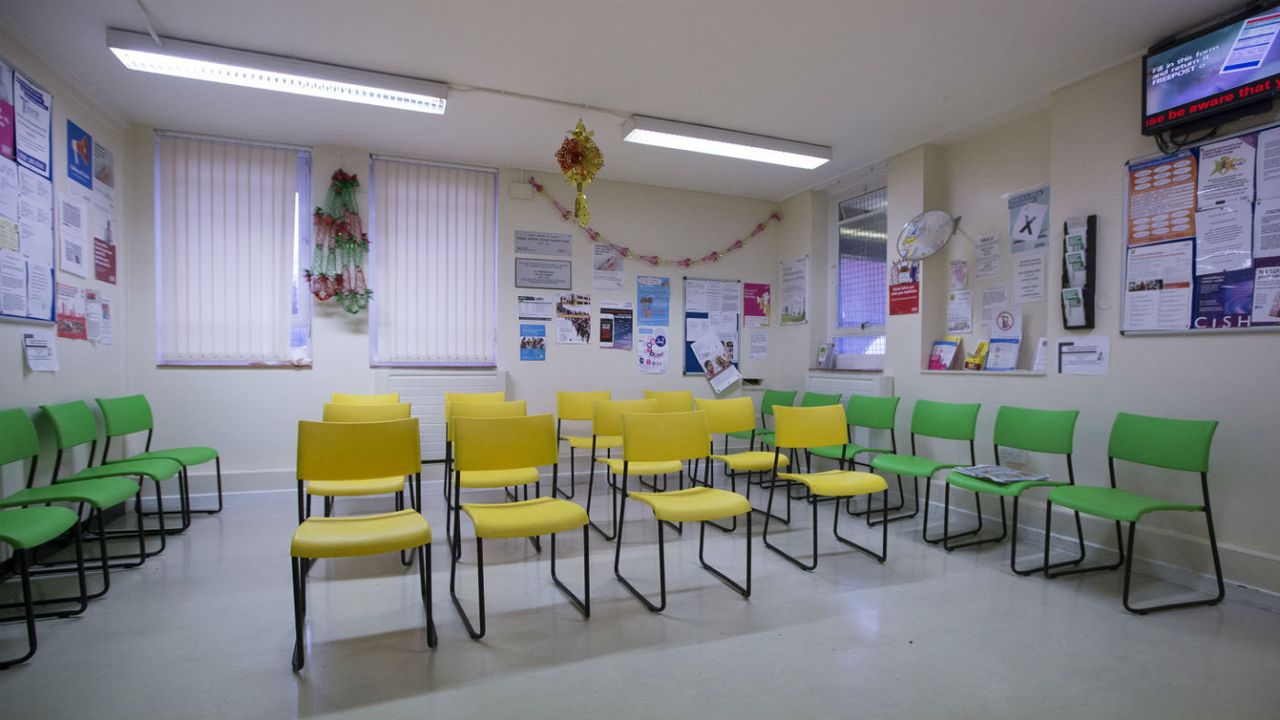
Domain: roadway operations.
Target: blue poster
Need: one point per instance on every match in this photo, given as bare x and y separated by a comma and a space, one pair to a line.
653, 301
533, 342
1224, 300
79, 155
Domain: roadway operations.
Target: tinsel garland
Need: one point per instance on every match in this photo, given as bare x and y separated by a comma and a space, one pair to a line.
341, 245
655, 260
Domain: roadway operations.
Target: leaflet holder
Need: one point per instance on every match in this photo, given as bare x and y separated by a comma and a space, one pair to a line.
1083, 316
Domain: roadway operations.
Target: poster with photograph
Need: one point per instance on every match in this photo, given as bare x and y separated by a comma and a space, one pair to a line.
653, 299
904, 287
79, 155
652, 347
616, 326
1226, 172
716, 361
793, 290
72, 323
755, 304
533, 342
607, 268
573, 319
104, 172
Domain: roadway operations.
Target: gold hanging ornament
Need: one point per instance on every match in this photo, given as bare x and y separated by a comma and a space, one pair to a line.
580, 159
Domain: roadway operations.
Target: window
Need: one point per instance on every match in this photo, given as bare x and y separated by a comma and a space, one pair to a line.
861, 277
228, 232
433, 251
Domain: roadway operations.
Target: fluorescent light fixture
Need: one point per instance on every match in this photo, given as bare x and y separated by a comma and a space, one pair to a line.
715, 141
197, 61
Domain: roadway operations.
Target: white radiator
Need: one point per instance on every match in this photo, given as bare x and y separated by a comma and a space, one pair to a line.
874, 384
425, 389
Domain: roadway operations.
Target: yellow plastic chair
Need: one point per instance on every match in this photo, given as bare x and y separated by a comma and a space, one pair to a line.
463, 397
804, 428
606, 424
653, 439
671, 400
738, 415
337, 452
365, 399
504, 477
578, 406
492, 445
338, 412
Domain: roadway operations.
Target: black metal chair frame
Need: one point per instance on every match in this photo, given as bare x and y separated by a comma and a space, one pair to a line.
928, 488
23, 560
186, 488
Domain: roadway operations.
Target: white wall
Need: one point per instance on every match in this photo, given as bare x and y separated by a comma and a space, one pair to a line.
1091, 129
88, 370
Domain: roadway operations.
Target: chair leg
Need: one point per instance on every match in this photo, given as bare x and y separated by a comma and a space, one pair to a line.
21, 558
424, 579
768, 513
81, 598
573, 478
733, 487
1013, 547
582, 604
1145, 609
453, 577
1048, 538
613, 503
924, 525
662, 567
884, 529
765, 536
744, 591
915, 485
947, 537
406, 557
299, 611
217, 464
902, 500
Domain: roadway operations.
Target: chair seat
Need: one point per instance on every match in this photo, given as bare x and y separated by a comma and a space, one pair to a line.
833, 452
654, 467
694, 504
979, 485
186, 455
25, 528
356, 535
499, 478
1113, 504
154, 468
603, 442
838, 483
100, 493
755, 461
528, 518
909, 465
353, 488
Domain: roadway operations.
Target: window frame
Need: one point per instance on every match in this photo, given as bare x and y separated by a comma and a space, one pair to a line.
835, 330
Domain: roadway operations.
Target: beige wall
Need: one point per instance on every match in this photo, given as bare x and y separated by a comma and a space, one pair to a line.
1079, 145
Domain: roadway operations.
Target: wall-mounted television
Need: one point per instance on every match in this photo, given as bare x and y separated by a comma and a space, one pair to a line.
1230, 68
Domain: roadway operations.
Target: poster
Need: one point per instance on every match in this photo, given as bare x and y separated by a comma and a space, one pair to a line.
1225, 240
758, 343
104, 172
1029, 220
1266, 229
35, 217
793, 291
606, 264
551, 274
40, 291
716, 361
1162, 199
755, 305
6, 110
652, 346
959, 312
92, 314
616, 325
1007, 323
71, 237
711, 296
573, 319
1224, 300
1028, 279
32, 126
1226, 172
79, 155
9, 190
1158, 289
40, 350
530, 242
959, 277
1267, 179
533, 342
653, 298
993, 298
13, 284
987, 259
1085, 355
535, 307
904, 287
71, 319
1266, 295
106, 332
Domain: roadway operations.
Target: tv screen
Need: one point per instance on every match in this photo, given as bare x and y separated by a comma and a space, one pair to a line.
1220, 68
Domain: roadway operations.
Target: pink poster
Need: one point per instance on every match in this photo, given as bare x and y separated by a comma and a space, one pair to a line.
6, 111
756, 298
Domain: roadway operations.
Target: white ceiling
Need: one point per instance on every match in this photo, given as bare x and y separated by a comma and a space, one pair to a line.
869, 78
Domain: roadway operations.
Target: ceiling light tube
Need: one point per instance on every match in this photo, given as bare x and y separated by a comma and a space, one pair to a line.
728, 143
197, 61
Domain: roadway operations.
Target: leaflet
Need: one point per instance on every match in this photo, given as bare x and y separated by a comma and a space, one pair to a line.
1158, 295
1226, 172
1225, 240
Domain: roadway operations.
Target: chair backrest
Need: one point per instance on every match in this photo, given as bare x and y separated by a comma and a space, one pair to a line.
1162, 442
776, 397
476, 397
337, 412
126, 415
358, 451
729, 415
503, 443
869, 411
649, 437
950, 421
671, 400
455, 410
808, 427
73, 423
18, 439
578, 405
817, 399
1046, 431
363, 399
606, 416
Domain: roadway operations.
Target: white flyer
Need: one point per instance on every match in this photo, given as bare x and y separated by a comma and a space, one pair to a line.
960, 312
71, 233
1085, 355
993, 297
607, 265
1226, 172
758, 343
1268, 162
1266, 229
1158, 287
987, 261
106, 320
35, 217
13, 284
8, 189
652, 347
716, 361
959, 275
1042, 356
40, 350
538, 308
1028, 278
1266, 295
32, 126
1224, 237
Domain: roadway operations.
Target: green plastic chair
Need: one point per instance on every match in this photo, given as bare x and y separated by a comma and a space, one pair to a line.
1041, 431
942, 420
1169, 444
20, 443
770, 399
25, 530
132, 414
73, 426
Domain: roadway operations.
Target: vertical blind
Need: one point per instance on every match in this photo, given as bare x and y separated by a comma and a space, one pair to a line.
433, 249
226, 230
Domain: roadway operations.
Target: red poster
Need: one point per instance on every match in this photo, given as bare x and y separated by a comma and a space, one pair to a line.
104, 261
904, 298
71, 318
